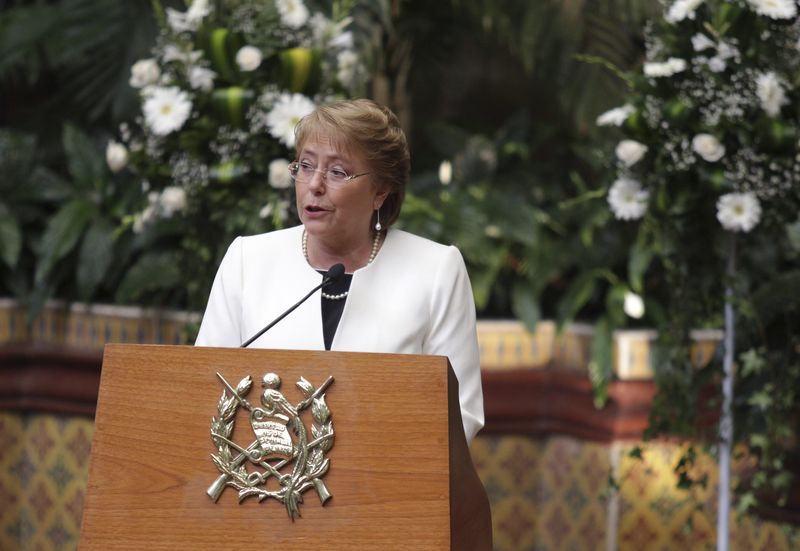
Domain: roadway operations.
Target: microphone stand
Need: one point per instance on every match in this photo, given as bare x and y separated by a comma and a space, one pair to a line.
334, 273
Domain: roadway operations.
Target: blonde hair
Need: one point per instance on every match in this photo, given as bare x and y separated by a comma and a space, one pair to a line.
371, 130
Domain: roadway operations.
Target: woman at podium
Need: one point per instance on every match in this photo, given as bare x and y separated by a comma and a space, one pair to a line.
399, 293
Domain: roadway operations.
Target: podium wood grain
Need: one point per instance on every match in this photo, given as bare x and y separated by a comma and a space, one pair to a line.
391, 461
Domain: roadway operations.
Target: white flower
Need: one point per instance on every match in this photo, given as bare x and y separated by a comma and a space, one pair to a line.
116, 156
738, 211
143, 218
664, 69
445, 172
285, 115
716, 64
172, 200
283, 209
294, 13
492, 230
279, 176
708, 147
173, 53
347, 62
343, 40
201, 78
166, 109
633, 305
726, 51
616, 116
248, 58
775, 9
630, 152
701, 42
682, 9
266, 211
627, 199
770, 93
144, 73
189, 20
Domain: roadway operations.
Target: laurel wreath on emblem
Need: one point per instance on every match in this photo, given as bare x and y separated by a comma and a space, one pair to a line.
272, 423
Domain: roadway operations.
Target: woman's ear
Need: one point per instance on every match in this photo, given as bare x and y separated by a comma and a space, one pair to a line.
380, 196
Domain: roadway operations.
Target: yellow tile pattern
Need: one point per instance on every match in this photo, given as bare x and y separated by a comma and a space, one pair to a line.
44, 462
551, 494
92, 326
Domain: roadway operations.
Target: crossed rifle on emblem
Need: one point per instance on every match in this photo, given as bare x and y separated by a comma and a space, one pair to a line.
272, 440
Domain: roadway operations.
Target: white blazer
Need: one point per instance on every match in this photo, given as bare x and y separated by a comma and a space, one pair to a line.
414, 298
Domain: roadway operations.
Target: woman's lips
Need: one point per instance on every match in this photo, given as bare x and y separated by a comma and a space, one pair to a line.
315, 210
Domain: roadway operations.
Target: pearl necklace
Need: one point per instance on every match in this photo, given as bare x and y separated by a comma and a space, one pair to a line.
375, 243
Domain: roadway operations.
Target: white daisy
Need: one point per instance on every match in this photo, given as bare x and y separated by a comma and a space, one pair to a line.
771, 93
294, 13
166, 109
775, 9
627, 199
629, 152
738, 211
616, 116
285, 115
279, 176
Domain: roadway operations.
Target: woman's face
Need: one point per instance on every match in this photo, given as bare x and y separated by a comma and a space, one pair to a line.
340, 216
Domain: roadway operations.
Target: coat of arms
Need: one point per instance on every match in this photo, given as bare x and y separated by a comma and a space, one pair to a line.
283, 461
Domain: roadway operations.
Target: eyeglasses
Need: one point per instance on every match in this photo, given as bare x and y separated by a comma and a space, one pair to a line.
303, 172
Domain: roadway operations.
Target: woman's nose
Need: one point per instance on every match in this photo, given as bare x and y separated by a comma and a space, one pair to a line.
317, 181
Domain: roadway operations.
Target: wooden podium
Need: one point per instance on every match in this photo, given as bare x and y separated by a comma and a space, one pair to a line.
400, 474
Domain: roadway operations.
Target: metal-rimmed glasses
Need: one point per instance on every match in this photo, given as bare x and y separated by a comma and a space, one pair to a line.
303, 172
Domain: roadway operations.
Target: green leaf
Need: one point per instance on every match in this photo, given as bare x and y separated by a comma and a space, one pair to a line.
152, 272
525, 304
601, 369
762, 399
10, 237
752, 363
96, 255
61, 235
578, 294
640, 256
615, 304
83, 161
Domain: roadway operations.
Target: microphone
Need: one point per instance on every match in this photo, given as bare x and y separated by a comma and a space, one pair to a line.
334, 273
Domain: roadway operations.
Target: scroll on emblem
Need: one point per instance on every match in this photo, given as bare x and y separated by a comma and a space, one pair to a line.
283, 461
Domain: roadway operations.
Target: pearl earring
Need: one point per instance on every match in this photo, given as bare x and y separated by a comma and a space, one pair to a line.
378, 219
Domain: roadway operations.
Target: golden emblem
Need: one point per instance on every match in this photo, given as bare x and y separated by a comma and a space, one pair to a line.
273, 423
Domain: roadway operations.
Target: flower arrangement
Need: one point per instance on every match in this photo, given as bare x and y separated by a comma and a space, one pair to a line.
220, 97
708, 167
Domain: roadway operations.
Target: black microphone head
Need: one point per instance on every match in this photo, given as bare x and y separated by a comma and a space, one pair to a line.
335, 272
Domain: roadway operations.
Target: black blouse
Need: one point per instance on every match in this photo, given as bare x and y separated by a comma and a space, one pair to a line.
332, 308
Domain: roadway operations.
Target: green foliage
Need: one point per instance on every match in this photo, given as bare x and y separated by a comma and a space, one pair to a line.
708, 164
74, 55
